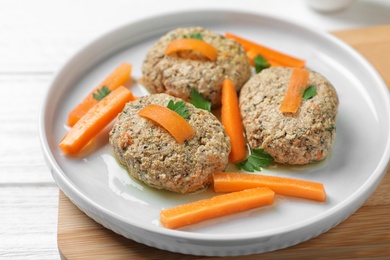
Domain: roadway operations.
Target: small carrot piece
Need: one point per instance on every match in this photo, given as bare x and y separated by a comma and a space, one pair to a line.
98, 117
252, 54
295, 89
117, 78
268, 53
236, 181
176, 125
231, 120
190, 44
218, 206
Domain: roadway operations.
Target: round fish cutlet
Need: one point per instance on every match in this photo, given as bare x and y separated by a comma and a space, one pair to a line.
301, 138
154, 157
179, 73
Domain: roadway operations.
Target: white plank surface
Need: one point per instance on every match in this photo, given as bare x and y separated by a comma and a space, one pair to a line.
29, 220
36, 38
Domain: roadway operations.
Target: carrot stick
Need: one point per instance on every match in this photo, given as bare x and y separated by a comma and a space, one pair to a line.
95, 120
296, 87
268, 53
235, 181
214, 207
231, 120
117, 78
190, 44
176, 125
252, 54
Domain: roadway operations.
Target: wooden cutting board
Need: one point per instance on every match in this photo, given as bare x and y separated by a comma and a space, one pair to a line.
366, 234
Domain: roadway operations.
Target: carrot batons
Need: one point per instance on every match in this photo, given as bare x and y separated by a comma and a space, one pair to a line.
214, 207
98, 117
269, 54
235, 181
189, 44
176, 125
117, 78
231, 120
297, 85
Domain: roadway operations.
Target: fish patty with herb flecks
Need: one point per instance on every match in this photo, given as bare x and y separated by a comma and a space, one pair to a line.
154, 157
300, 138
177, 74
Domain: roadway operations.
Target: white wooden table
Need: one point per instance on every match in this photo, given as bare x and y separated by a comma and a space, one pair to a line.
36, 38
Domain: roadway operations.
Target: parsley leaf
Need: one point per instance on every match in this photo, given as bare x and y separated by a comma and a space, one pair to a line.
257, 159
199, 101
260, 63
197, 36
101, 93
310, 92
179, 107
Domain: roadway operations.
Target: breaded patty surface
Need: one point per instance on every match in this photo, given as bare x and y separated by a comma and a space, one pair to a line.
301, 138
177, 74
154, 157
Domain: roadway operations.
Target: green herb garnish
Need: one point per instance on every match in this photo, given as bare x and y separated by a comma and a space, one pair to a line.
197, 36
257, 159
101, 93
310, 92
199, 101
260, 63
330, 129
179, 107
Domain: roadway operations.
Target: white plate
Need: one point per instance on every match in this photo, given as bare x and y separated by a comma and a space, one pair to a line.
104, 191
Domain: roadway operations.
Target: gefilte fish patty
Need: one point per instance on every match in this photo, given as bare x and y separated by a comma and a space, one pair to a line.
153, 156
301, 138
179, 73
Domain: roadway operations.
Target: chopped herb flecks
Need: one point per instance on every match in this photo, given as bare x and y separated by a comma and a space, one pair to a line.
330, 129
101, 93
260, 63
197, 36
256, 160
199, 101
310, 92
179, 107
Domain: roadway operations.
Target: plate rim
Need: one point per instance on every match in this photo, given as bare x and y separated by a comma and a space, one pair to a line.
88, 204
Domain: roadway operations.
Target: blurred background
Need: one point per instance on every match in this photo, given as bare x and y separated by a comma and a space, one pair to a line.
57, 29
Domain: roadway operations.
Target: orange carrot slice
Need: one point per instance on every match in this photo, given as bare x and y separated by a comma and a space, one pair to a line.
236, 181
176, 125
117, 78
214, 207
189, 44
231, 120
94, 121
268, 53
296, 87
252, 54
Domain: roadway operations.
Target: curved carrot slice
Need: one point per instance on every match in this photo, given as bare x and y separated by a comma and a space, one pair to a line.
235, 181
231, 120
268, 53
214, 207
297, 85
117, 78
189, 44
177, 126
98, 117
